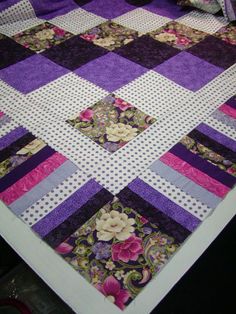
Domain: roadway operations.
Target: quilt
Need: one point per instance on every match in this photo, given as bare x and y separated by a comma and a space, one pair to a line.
117, 131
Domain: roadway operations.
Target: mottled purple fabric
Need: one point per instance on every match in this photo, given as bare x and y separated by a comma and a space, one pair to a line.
217, 136
231, 102
27, 166
4, 4
12, 136
74, 53
11, 52
110, 71
215, 51
76, 220
188, 71
32, 73
108, 9
164, 204
152, 212
203, 165
147, 51
66, 208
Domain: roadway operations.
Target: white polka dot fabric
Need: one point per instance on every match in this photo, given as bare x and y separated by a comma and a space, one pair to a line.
20, 11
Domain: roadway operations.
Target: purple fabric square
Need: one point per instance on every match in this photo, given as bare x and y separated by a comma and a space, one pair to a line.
110, 71
11, 52
188, 71
147, 52
74, 53
168, 8
31, 73
108, 9
215, 51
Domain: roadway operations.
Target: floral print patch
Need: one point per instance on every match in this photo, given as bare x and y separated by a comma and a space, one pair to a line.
111, 122
178, 35
228, 34
110, 35
118, 252
209, 155
42, 37
20, 156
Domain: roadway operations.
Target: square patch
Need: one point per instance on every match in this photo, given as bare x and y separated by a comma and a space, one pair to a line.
74, 53
118, 251
110, 35
32, 73
188, 71
147, 52
111, 122
41, 37
178, 35
11, 52
215, 51
110, 71
227, 33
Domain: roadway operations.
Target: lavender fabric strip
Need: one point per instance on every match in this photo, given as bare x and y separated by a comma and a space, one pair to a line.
161, 202
12, 136
67, 208
201, 164
25, 167
4, 119
185, 184
45, 186
217, 136
219, 115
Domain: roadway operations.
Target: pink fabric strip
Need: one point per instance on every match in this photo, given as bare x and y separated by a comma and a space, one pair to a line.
35, 176
195, 175
1, 114
228, 110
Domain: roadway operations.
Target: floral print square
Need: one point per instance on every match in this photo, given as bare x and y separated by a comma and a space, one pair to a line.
42, 37
178, 35
228, 34
110, 35
111, 122
118, 251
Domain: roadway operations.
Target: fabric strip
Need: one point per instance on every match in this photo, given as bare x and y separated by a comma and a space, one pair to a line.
228, 110
67, 208
231, 102
166, 224
27, 166
168, 207
26, 183
224, 118
217, 136
45, 186
203, 165
186, 185
195, 175
12, 136
75, 221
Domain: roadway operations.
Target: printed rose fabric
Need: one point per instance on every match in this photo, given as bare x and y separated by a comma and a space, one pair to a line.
112, 122
118, 251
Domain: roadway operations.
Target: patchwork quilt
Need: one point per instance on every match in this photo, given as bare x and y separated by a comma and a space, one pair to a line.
117, 131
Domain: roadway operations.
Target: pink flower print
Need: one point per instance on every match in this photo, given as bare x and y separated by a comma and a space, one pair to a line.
183, 41
64, 248
58, 31
123, 105
143, 220
171, 31
86, 115
127, 250
89, 37
112, 290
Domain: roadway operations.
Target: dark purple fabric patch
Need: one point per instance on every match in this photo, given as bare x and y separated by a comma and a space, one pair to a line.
32, 73
215, 51
213, 145
12, 136
171, 209
76, 220
188, 71
74, 53
147, 52
203, 165
11, 52
4, 4
153, 214
27, 166
217, 136
110, 71
231, 102
16, 145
